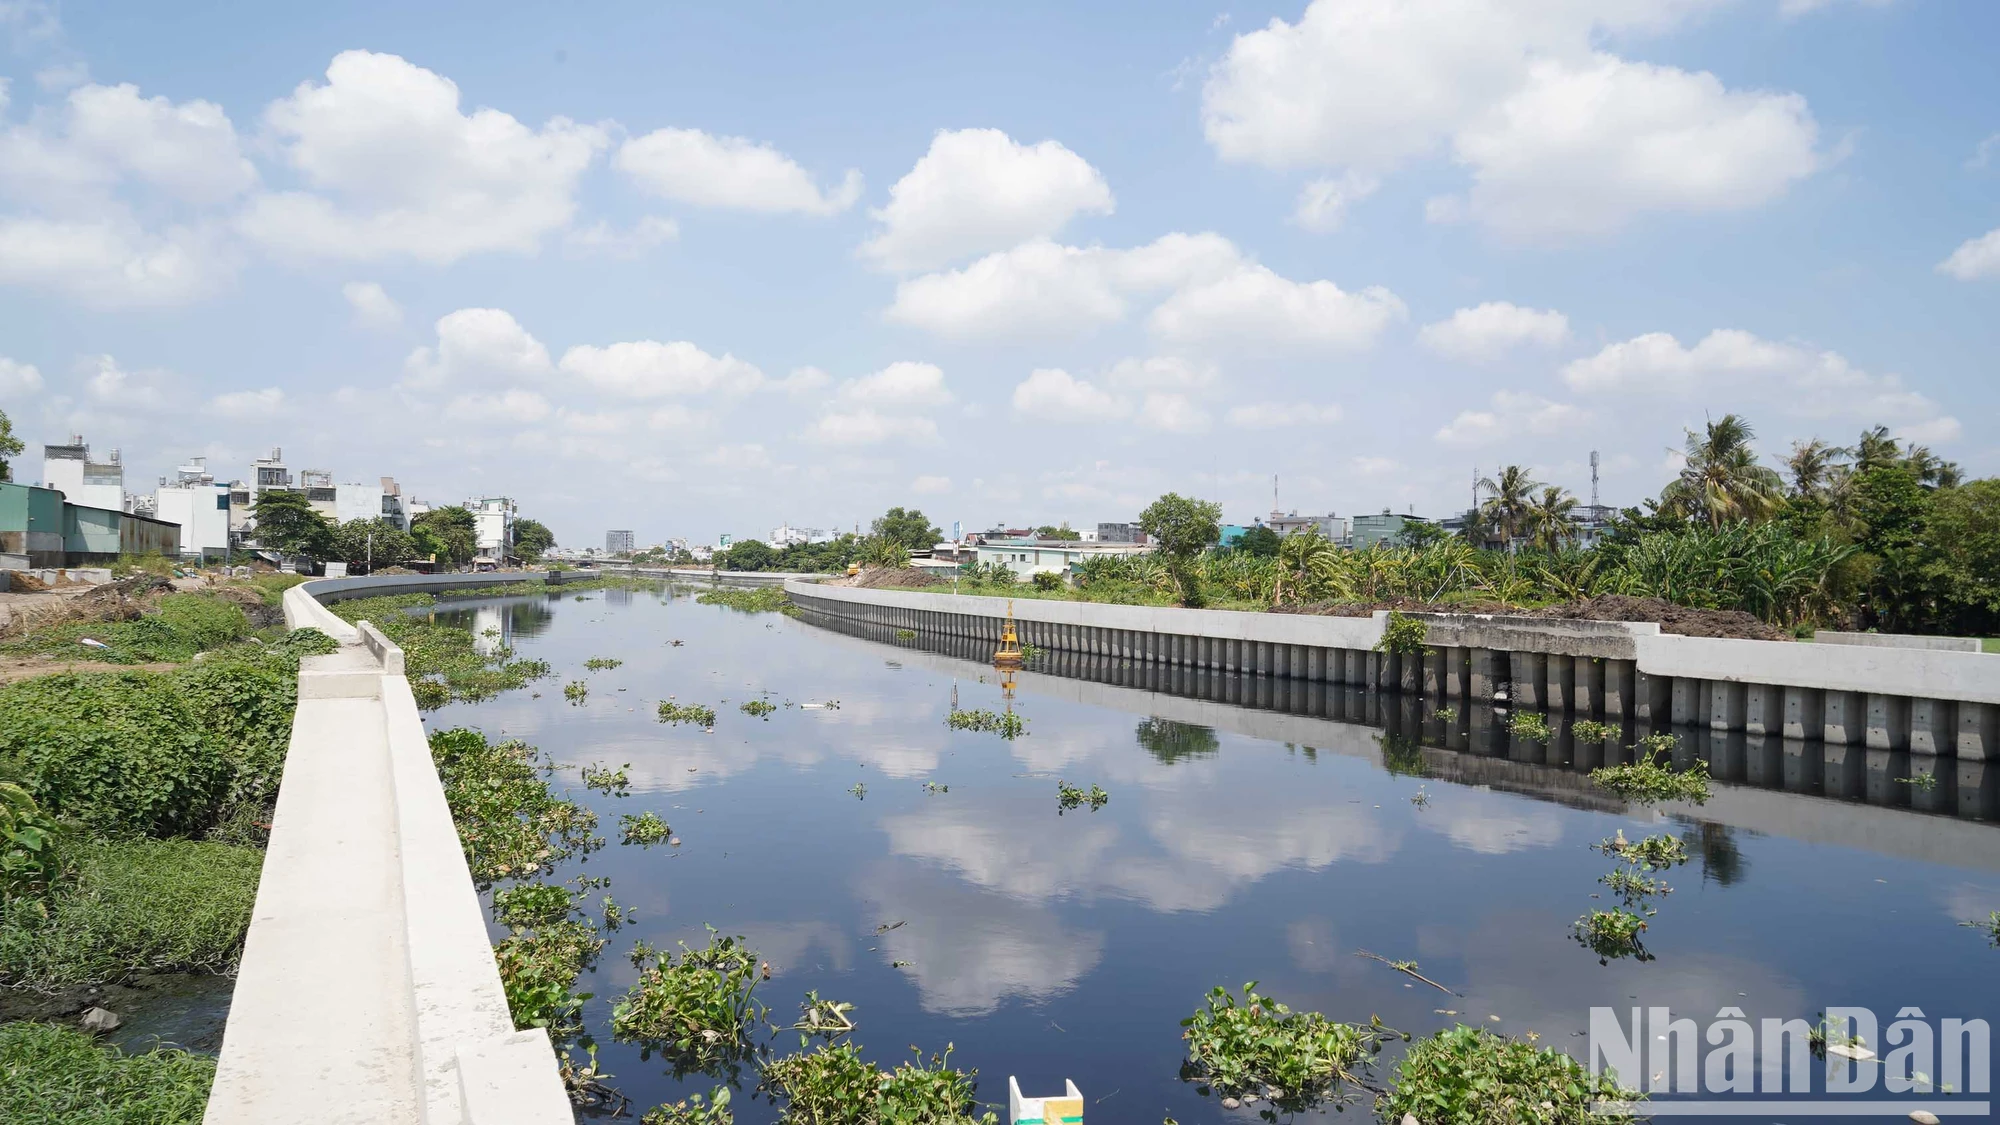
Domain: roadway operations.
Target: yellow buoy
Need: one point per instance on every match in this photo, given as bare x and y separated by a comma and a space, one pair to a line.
1009, 655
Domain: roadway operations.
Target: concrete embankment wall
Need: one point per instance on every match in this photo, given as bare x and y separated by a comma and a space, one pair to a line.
368, 990
1923, 701
719, 577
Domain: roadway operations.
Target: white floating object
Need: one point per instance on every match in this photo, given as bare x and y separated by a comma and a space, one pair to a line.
92, 642
1063, 1109
1850, 1051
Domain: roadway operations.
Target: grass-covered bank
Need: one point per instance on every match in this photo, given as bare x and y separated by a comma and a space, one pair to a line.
134, 805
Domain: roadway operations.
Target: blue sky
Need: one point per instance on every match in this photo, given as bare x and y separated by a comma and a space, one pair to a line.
695, 270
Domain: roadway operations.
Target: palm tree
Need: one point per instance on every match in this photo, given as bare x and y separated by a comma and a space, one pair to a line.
1552, 518
1816, 468
1507, 503
1932, 469
1722, 481
1876, 449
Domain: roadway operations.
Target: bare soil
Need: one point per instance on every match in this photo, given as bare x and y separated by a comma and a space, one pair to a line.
890, 577
1677, 619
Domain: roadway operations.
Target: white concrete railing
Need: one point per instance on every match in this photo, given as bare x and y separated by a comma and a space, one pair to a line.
368, 990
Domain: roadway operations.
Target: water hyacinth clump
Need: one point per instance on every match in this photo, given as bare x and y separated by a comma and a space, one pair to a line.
1006, 724
697, 1009
1258, 1047
698, 714
761, 708
1069, 797
1531, 725
644, 829
1469, 1074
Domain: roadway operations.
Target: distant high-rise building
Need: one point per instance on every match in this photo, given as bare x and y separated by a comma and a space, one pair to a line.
617, 542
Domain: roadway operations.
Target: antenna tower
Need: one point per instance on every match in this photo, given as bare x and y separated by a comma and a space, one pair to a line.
1593, 481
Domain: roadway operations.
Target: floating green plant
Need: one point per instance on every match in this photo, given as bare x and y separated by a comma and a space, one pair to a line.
602, 663
696, 713
1006, 724
1531, 725
1256, 1047
644, 829
1069, 797
576, 691
1590, 730
761, 708
604, 779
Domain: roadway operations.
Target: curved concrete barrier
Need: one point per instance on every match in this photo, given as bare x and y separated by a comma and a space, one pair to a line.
368, 990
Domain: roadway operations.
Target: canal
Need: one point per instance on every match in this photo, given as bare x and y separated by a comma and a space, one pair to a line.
926, 876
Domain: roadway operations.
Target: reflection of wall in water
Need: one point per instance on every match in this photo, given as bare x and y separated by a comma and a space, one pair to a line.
618, 595
528, 618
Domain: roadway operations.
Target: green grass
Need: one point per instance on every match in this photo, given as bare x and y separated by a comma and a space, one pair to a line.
134, 904
182, 625
51, 1075
1991, 644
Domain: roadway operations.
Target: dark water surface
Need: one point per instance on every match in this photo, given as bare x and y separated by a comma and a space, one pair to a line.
1240, 843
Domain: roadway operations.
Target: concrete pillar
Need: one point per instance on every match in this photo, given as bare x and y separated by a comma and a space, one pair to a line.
1688, 706
1560, 684
1763, 709
1846, 718
1933, 727
1805, 712
1652, 698
1410, 674
1529, 671
1316, 671
1727, 704
1434, 674
1483, 670
1619, 682
1589, 697
1978, 732
1457, 669
1888, 722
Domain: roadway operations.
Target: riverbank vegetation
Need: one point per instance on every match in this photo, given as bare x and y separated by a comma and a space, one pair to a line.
135, 806
756, 599
1877, 535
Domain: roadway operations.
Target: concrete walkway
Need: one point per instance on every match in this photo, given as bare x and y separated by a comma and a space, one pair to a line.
368, 991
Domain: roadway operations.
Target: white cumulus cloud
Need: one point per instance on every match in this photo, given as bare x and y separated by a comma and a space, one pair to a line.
243, 405
18, 379
396, 169
1256, 308
511, 406
1278, 415
1513, 414
979, 190
1560, 137
901, 384
869, 427
1323, 203
1487, 331
1977, 258
1172, 413
651, 369
1054, 395
372, 305
478, 345
691, 166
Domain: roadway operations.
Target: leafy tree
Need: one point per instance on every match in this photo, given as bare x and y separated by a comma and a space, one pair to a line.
1418, 534
748, 554
532, 538
1182, 528
448, 533
1064, 534
10, 446
1964, 535
1722, 481
287, 523
1892, 507
1508, 500
376, 542
1258, 542
910, 528
1171, 741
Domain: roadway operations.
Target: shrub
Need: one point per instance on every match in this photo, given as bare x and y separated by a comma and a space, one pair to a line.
1258, 1046
51, 1075
30, 852
134, 904
1403, 634
244, 703
117, 752
203, 620
1047, 580
1470, 1075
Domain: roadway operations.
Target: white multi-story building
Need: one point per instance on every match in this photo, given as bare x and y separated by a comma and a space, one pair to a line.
357, 501
492, 526
192, 499
784, 535
320, 492
93, 484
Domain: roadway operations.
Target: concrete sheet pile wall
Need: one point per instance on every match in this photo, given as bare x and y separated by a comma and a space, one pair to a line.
1925, 701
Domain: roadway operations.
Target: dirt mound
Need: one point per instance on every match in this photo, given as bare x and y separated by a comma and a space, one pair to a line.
894, 578
1678, 619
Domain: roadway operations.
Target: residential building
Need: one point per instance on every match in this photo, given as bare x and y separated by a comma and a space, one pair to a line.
70, 470
201, 507
320, 492
492, 526
617, 542
1127, 533
269, 472
785, 535
1329, 525
1372, 529
392, 504
359, 501
1027, 557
